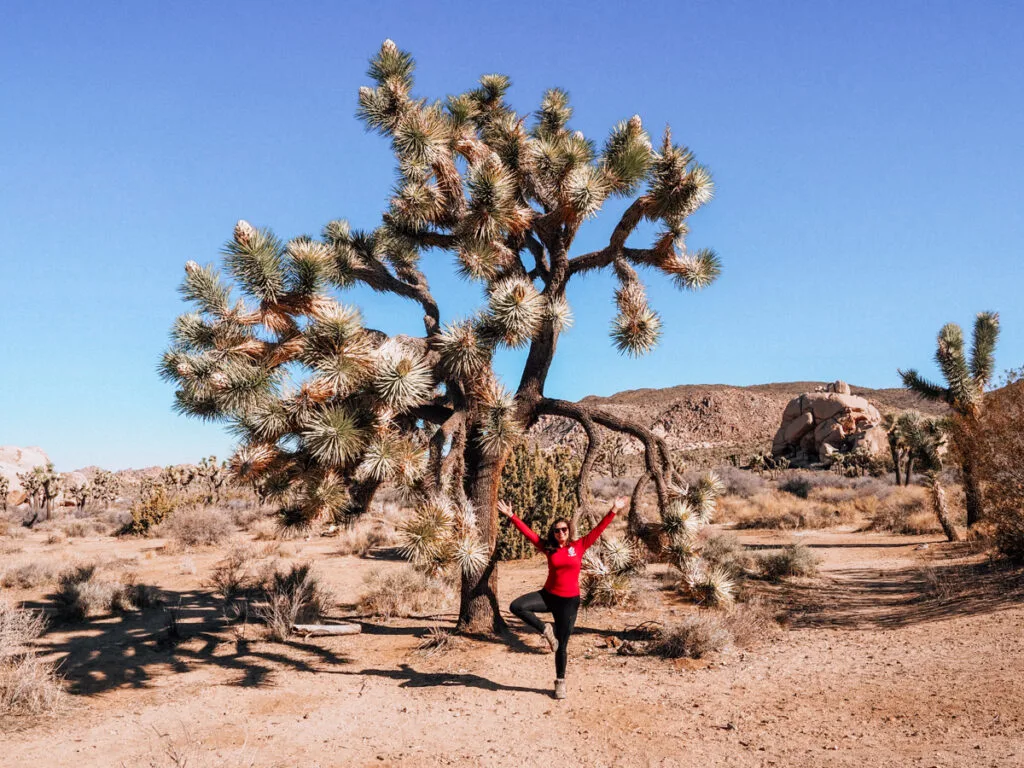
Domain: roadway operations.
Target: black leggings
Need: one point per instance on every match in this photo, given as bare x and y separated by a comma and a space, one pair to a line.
562, 608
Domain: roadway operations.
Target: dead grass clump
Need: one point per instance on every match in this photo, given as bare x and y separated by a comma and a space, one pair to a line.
906, 511
297, 596
9, 548
28, 575
233, 575
197, 526
81, 595
362, 538
28, 686
265, 530
56, 537
402, 592
793, 560
438, 641
695, 636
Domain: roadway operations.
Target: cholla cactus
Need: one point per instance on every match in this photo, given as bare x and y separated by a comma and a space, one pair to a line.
327, 410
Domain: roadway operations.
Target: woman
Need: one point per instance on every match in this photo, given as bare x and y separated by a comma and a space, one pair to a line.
561, 593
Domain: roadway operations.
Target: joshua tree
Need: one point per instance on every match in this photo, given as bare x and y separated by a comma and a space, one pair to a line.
5, 488
326, 409
914, 439
81, 493
105, 487
42, 485
964, 392
215, 474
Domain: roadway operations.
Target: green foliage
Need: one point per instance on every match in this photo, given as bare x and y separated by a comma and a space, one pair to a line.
152, 508
540, 486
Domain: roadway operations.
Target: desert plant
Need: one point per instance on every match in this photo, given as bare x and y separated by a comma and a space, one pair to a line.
609, 572
695, 636
998, 443
964, 393
541, 487
798, 485
197, 526
42, 484
793, 560
507, 200
28, 575
105, 487
148, 511
297, 596
28, 686
5, 488
79, 493
401, 593
723, 550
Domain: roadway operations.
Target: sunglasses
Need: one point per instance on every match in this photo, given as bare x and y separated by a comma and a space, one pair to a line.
561, 529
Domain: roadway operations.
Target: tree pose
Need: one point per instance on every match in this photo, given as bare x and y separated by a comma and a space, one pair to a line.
561, 592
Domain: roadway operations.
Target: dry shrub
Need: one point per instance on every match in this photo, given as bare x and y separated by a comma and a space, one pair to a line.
783, 511
363, 537
234, 575
906, 511
438, 641
997, 447
8, 548
265, 530
695, 636
724, 550
28, 686
148, 512
197, 526
81, 595
56, 537
402, 592
793, 560
297, 596
28, 575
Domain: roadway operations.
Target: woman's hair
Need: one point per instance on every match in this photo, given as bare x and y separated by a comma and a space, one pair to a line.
550, 543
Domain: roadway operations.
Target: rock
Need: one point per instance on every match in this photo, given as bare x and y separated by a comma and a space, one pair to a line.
14, 460
816, 425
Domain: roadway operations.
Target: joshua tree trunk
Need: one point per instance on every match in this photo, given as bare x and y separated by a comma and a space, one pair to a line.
942, 509
478, 604
895, 462
908, 471
972, 493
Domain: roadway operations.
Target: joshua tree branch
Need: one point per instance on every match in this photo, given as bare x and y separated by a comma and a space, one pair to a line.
617, 244
377, 277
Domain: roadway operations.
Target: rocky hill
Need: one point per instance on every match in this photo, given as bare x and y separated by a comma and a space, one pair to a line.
711, 421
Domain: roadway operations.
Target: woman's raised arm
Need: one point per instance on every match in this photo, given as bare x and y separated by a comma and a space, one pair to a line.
617, 506
506, 509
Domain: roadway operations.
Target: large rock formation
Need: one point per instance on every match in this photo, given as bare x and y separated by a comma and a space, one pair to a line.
817, 424
14, 460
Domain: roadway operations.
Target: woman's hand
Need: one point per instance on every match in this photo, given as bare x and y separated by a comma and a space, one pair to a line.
505, 508
620, 504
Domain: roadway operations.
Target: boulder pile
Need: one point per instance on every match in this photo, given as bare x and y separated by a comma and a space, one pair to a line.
815, 425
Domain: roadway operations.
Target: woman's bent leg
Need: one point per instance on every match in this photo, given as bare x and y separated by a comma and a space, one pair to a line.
564, 610
525, 608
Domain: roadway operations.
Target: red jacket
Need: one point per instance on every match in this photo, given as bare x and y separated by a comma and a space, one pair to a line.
565, 562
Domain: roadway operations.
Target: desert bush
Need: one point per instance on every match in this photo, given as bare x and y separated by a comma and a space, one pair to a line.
297, 596
438, 641
362, 537
28, 575
402, 592
56, 537
9, 548
233, 576
197, 526
793, 560
798, 484
906, 511
611, 487
722, 549
28, 686
695, 636
998, 445
81, 595
152, 508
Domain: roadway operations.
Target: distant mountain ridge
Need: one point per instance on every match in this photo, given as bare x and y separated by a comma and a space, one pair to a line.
714, 419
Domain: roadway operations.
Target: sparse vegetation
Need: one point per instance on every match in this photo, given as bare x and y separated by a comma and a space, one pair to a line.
196, 526
28, 575
150, 510
296, 596
793, 560
403, 593
82, 594
28, 686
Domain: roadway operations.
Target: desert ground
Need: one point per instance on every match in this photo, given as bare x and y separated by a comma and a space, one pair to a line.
902, 650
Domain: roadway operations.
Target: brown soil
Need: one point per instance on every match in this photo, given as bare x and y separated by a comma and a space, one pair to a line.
896, 655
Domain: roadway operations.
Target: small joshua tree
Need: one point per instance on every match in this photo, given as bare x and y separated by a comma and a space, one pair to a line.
105, 487
42, 485
327, 409
80, 493
5, 488
964, 393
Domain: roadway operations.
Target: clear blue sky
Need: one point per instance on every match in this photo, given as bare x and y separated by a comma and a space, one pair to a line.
868, 160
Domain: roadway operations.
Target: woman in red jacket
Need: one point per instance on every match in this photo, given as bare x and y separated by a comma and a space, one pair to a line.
561, 593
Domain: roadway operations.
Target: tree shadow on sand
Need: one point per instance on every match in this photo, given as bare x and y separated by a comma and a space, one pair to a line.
871, 598
188, 633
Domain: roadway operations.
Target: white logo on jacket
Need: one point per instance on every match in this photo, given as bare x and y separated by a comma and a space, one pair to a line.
572, 551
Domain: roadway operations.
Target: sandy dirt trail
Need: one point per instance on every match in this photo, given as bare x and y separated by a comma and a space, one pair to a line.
875, 668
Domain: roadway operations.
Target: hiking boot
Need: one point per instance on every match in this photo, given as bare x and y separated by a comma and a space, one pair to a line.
559, 688
549, 635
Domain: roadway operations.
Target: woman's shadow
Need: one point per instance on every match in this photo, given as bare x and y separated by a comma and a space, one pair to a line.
412, 679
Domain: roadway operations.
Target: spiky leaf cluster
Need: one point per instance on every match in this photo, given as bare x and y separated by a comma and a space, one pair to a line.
440, 535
